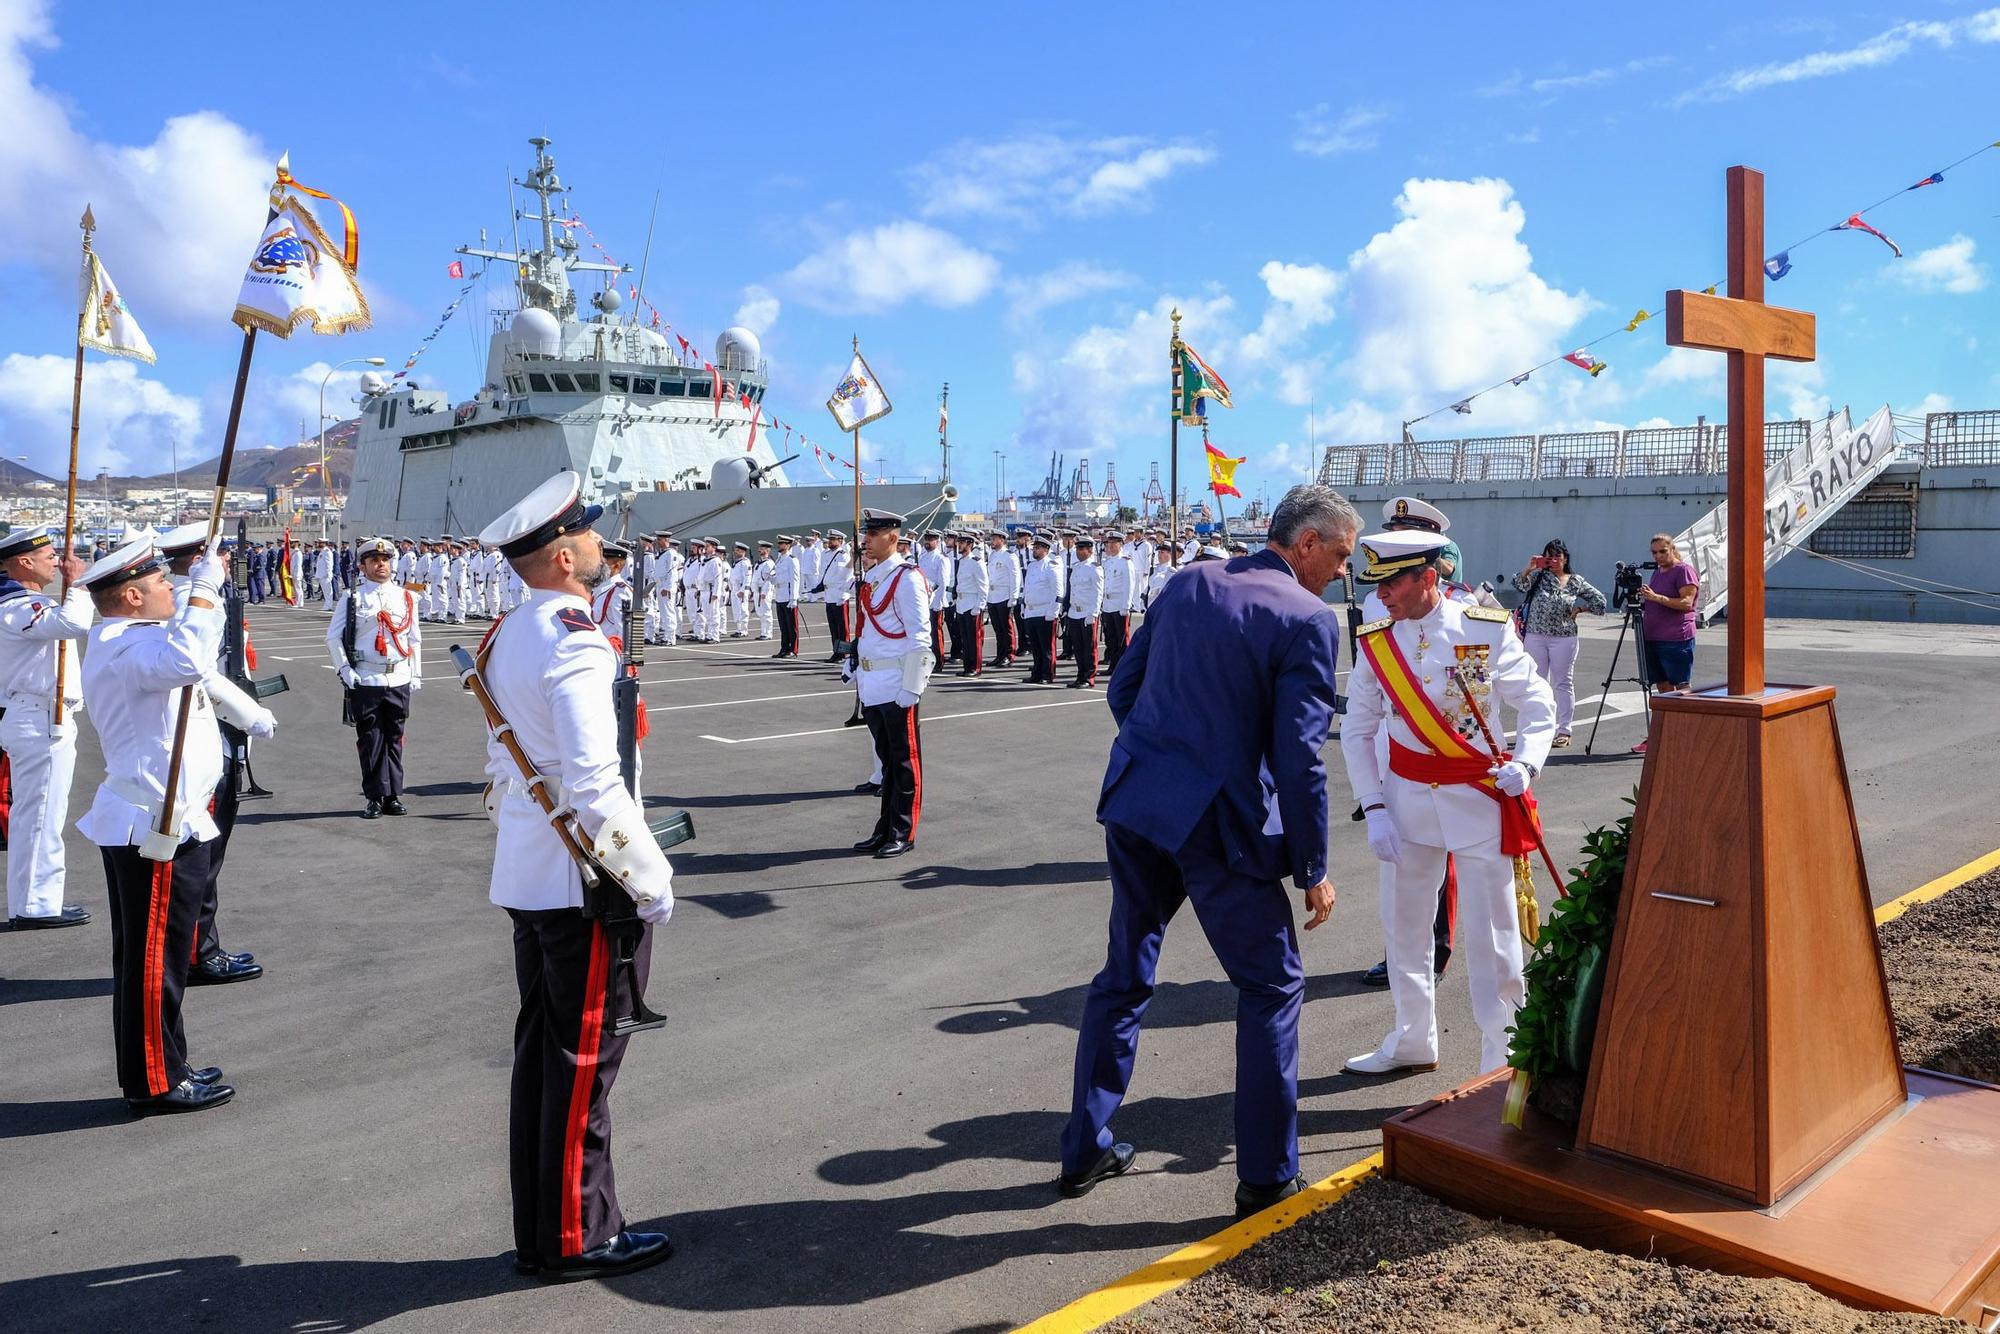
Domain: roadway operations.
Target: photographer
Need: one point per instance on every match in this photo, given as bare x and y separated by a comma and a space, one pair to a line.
1668, 619
1547, 621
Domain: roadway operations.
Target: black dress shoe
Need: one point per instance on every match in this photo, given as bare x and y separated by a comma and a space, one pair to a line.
1255, 1199
186, 1096
207, 1075
1112, 1162
623, 1254
1378, 976
219, 968
894, 847
872, 843
394, 806
70, 916
869, 789
245, 957
373, 811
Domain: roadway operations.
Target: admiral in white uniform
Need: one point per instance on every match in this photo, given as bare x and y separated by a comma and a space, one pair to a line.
895, 666
1121, 598
836, 580
550, 672
785, 587
376, 639
41, 752
143, 659
1080, 607
1426, 802
968, 601
1003, 586
1041, 598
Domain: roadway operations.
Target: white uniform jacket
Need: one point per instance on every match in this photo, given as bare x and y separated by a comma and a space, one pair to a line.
1086, 590
608, 604
936, 567
969, 594
388, 635
1451, 816
1041, 595
785, 577
895, 623
1120, 586
550, 670
134, 672
1003, 576
739, 575
812, 559
30, 625
838, 575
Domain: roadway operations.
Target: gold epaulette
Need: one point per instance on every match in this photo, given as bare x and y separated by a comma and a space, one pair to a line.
1375, 626
1489, 614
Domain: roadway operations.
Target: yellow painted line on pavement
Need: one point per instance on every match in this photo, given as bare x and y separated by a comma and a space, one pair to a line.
1169, 1272
1162, 1276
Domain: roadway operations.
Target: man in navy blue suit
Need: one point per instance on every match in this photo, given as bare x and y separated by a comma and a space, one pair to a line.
1214, 794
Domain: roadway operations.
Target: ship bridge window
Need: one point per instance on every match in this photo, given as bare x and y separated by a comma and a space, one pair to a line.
564, 384
538, 382
621, 384
700, 387
586, 382
642, 386
515, 383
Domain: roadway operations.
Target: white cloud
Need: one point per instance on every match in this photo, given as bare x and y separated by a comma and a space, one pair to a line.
1929, 403
130, 423
1067, 282
177, 217
1883, 48
1302, 297
1686, 367
1698, 379
1942, 268
759, 310
1322, 134
1799, 385
885, 266
1448, 300
1031, 175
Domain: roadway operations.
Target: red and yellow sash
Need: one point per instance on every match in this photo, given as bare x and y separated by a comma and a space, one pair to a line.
1451, 759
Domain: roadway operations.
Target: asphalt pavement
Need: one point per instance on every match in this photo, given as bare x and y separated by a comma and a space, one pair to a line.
851, 1120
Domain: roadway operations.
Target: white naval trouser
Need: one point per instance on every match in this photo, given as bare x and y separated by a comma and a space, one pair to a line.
1489, 943
42, 766
697, 616
670, 617
767, 616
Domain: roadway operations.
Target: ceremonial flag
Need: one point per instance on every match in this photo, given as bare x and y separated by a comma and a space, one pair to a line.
859, 398
1638, 319
1855, 224
106, 324
1222, 472
286, 588
1199, 381
1935, 178
456, 269
1582, 360
1776, 267
298, 274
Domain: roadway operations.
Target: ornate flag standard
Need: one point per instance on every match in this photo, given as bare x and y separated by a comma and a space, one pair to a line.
1194, 383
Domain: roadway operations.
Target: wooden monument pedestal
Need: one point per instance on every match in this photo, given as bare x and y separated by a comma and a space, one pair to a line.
1745, 1110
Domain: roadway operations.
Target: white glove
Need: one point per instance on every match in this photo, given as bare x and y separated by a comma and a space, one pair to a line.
905, 699
207, 576
416, 683
265, 725
1383, 840
657, 910
347, 677
1511, 777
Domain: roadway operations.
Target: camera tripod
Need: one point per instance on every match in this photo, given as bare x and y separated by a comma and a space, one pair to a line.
1633, 625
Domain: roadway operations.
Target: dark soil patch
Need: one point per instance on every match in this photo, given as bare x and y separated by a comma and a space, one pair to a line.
1393, 1259
1943, 961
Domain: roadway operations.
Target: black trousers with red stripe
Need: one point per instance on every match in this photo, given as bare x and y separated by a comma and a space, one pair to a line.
1041, 647
788, 628
971, 640
893, 728
565, 1061
153, 911
836, 625
1117, 627
1001, 614
207, 940
1080, 633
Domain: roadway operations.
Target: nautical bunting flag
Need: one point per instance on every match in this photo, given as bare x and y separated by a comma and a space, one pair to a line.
1776, 267
1855, 224
1638, 319
1520, 379
1463, 407
299, 275
1582, 360
1222, 472
1935, 178
1198, 382
859, 398
455, 269
106, 324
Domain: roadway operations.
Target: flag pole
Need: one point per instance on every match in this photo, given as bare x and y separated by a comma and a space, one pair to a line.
1174, 441
169, 826
89, 225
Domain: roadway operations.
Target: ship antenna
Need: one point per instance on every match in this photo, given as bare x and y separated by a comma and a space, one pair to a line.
514, 215
646, 258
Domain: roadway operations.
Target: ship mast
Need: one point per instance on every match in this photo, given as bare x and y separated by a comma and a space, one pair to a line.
544, 274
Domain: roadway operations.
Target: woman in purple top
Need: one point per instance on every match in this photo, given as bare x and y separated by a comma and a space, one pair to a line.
1668, 620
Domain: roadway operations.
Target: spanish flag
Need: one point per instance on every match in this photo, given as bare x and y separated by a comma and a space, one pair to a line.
1222, 472
286, 588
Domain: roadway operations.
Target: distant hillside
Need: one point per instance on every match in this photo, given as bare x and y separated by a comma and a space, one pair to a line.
255, 468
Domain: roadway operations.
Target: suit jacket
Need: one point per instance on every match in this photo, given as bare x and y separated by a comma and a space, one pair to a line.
1224, 700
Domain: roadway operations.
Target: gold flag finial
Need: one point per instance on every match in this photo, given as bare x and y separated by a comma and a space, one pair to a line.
89, 224
279, 179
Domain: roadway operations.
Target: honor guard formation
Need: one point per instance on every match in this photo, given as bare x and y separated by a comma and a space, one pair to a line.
1219, 671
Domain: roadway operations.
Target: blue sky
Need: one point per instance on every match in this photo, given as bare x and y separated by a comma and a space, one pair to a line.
1364, 214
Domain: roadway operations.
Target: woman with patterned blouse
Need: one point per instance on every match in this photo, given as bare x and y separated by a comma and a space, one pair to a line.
1555, 598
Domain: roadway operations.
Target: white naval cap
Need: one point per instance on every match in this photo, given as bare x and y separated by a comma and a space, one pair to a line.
184, 538
874, 521
23, 540
1409, 512
546, 513
1390, 553
130, 561
374, 546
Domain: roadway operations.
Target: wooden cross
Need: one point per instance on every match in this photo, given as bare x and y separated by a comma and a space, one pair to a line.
1749, 331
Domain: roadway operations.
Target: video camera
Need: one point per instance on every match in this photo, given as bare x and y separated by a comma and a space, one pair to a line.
1627, 580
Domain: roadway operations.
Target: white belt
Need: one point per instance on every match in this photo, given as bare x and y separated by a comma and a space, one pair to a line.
882, 664
26, 699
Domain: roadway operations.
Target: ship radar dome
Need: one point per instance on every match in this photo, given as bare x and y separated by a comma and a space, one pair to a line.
373, 383
737, 349
608, 300
536, 333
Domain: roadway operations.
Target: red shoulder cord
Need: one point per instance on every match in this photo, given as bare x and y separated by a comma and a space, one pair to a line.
391, 632
872, 611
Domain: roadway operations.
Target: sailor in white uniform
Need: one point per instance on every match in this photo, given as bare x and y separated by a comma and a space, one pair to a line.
376, 640
894, 667
740, 572
550, 671
41, 752
836, 581
936, 567
763, 577
1442, 791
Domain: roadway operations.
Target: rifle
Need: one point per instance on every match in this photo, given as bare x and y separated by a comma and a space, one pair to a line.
236, 657
603, 899
625, 690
